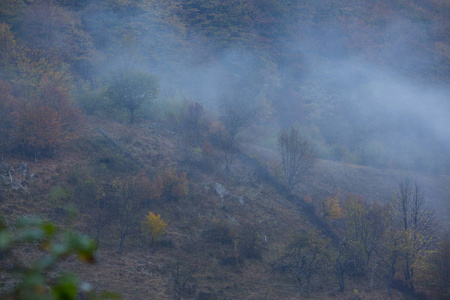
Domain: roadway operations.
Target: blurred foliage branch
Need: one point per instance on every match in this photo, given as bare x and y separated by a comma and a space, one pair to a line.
35, 280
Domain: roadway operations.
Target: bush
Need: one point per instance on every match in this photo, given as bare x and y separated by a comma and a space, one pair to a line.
154, 226
220, 233
59, 193
46, 122
249, 243
170, 185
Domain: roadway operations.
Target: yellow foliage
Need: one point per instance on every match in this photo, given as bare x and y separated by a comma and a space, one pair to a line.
332, 207
153, 225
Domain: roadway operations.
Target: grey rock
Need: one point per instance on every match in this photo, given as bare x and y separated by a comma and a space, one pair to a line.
240, 200
169, 131
22, 168
4, 180
220, 190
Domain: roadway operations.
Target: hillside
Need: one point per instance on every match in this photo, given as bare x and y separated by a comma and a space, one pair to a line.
214, 149
374, 184
198, 244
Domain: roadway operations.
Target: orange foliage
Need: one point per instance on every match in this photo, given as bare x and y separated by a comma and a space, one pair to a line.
57, 98
216, 127
48, 121
170, 185
37, 127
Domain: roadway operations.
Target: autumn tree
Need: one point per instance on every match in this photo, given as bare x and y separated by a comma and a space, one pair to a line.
48, 121
153, 225
52, 28
169, 185
91, 196
128, 197
38, 129
129, 90
409, 235
332, 207
390, 251
416, 222
435, 272
364, 226
297, 155
305, 255
346, 263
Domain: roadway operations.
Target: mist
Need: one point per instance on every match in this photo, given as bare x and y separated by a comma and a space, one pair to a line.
366, 87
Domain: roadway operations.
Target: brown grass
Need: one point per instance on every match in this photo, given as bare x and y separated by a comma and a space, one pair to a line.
147, 271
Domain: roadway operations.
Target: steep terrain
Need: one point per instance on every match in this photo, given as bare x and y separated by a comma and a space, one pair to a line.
123, 108
201, 255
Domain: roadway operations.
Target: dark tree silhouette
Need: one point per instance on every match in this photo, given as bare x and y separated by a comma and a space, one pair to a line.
297, 155
131, 89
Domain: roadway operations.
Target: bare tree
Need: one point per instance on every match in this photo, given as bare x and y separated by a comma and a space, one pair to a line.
410, 235
416, 223
193, 126
297, 155
124, 198
305, 255
236, 117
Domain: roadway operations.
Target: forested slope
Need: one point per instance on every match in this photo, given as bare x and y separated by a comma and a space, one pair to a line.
159, 123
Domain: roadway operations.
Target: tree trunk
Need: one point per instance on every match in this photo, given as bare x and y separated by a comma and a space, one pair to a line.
391, 274
132, 116
308, 284
36, 156
299, 280
123, 234
340, 274
341, 281
408, 273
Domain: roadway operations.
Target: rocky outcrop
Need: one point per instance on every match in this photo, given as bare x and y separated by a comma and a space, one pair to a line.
220, 190
14, 178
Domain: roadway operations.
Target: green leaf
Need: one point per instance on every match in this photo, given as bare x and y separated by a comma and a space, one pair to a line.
58, 249
31, 235
45, 262
5, 240
28, 222
32, 280
48, 228
109, 295
66, 287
